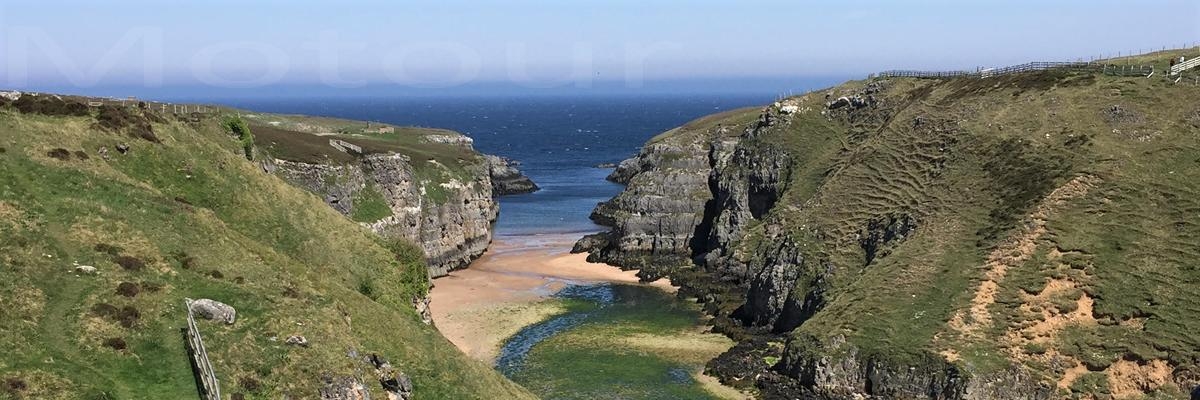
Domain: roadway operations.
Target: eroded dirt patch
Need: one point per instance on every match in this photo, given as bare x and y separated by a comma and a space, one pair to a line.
1130, 379
1012, 253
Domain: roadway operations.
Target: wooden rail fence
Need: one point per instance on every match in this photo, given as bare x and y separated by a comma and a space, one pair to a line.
1109, 69
1184, 66
206, 379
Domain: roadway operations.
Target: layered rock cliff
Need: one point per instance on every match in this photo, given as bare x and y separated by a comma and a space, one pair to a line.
453, 229
445, 203
919, 238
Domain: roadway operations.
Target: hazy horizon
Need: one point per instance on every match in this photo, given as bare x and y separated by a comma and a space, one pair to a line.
309, 48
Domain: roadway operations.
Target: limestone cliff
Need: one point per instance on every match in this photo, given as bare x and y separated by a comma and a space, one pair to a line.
452, 230
441, 195
906, 238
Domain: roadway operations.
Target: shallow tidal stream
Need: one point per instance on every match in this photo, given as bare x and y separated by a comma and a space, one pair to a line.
613, 341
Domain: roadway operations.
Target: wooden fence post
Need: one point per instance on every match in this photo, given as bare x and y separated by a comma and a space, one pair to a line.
209, 386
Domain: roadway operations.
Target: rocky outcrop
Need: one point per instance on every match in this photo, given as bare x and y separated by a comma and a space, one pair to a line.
836, 369
450, 220
343, 388
506, 179
654, 221
396, 384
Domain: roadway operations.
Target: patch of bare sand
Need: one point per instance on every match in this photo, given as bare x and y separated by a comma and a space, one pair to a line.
479, 307
1129, 379
491, 324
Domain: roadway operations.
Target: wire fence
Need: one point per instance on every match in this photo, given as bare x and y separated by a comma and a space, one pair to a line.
206, 378
1108, 68
160, 107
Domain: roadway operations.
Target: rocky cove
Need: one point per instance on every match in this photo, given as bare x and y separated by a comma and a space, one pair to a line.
836, 239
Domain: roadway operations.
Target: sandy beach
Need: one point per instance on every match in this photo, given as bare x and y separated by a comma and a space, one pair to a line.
503, 291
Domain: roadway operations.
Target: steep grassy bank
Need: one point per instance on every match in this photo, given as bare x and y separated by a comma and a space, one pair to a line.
180, 213
1021, 236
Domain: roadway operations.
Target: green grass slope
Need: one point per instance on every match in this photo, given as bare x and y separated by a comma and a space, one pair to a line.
1056, 226
189, 217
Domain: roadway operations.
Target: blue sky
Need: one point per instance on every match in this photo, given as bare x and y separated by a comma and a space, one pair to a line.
538, 44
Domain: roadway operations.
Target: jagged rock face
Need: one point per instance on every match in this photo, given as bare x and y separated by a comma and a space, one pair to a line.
882, 231
452, 231
745, 185
625, 170
654, 220
784, 290
838, 370
506, 178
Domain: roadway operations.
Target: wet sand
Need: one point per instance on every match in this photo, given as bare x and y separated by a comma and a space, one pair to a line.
504, 290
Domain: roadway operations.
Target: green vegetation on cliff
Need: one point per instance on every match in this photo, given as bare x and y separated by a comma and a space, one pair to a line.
187, 216
1037, 230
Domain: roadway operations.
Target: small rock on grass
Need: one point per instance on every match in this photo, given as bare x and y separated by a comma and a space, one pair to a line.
214, 310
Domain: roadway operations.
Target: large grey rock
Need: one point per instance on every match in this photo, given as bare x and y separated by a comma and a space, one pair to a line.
213, 310
506, 178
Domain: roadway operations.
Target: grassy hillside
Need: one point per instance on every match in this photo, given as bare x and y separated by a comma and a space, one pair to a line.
1055, 220
184, 215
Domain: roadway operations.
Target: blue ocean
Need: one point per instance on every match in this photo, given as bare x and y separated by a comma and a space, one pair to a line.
559, 140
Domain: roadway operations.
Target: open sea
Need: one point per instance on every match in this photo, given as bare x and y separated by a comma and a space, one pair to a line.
559, 140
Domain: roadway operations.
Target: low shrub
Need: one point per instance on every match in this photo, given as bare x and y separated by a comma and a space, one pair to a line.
238, 128
116, 344
128, 289
119, 118
105, 310
60, 154
51, 106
